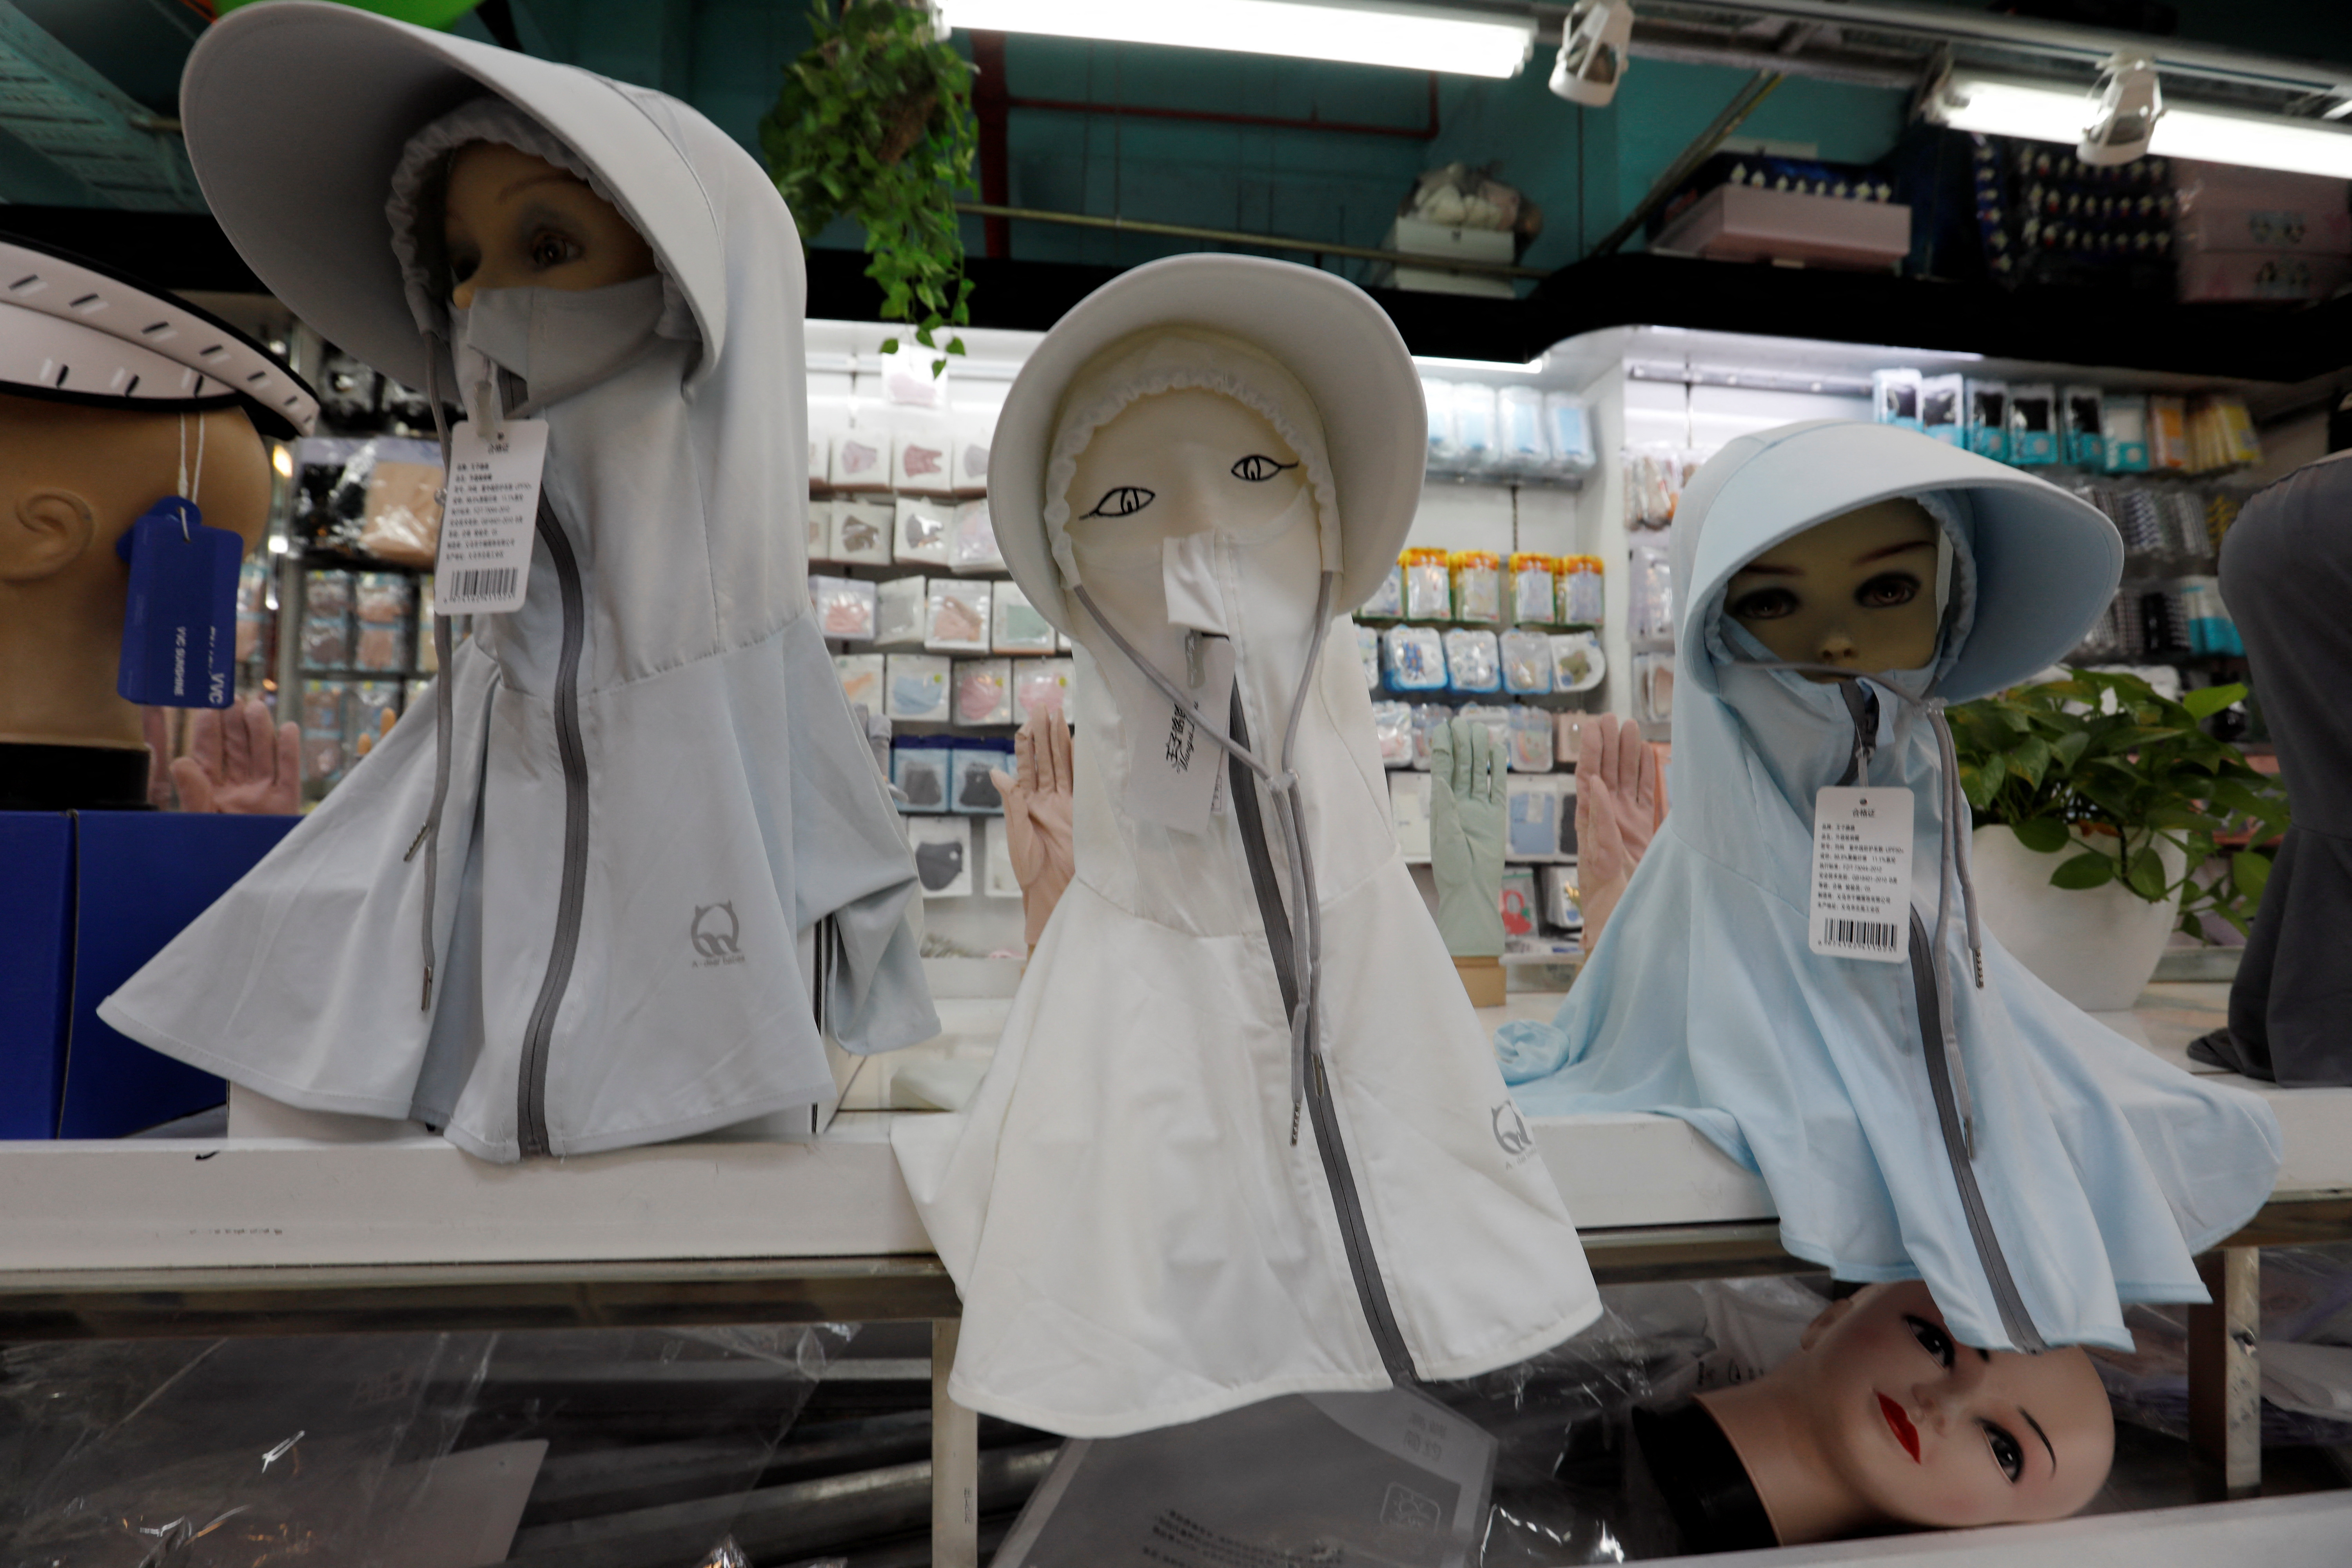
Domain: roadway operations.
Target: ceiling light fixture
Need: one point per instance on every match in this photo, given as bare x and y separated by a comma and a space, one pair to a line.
1592, 48
1357, 32
2000, 105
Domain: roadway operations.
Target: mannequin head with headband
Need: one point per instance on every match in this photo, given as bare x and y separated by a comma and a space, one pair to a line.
73, 479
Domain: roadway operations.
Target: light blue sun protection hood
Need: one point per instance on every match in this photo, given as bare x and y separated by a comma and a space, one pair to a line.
2089, 1171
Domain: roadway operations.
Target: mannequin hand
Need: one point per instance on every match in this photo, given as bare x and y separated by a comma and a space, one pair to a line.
234, 764
1038, 833
1617, 811
156, 724
1465, 836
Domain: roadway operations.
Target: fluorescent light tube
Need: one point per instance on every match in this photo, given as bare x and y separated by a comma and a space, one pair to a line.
1364, 32
1436, 362
1999, 107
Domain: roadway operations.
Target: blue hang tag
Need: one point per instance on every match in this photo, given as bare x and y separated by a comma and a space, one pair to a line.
179, 634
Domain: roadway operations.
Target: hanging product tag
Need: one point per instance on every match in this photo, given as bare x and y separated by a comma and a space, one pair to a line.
1175, 772
1862, 873
489, 517
179, 628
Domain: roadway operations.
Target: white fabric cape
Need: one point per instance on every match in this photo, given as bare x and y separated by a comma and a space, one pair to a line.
720, 808
2102, 1168
1136, 1237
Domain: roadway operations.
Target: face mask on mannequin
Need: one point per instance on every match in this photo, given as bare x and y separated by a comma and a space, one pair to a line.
549, 282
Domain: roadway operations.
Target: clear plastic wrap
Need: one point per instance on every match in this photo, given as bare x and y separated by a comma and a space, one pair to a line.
922, 452
861, 532
1527, 662
920, 769
1387, 603
1017, 627
400, 517
1653, 687
820, 530
1577, 664
920, 530
1650, 607
1534, 589
1494, 716
1475, 417
1473, 662
1523, 446
1478, 585
327, 597
1531, 750
383, 610
972, 546
1568, 432
915, 687
959, 616
860, 459
1041, 686
974, 792
1428, 585
1367, 652
1426, 718
845, 607
1392, 731
1413, 658
902, 610
1531, 828
373, 709
1654, 483
861, 679
1445, 451
984, 690
1581, 598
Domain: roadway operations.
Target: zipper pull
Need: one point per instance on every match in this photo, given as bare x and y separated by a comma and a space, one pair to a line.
415, 844
427, 1005
1192, 673
1294, 1124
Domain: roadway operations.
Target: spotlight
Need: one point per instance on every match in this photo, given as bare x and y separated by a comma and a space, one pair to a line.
2126, 102
1592, 52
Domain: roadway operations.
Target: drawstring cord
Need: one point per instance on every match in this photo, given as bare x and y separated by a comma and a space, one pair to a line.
444, 712
1282, 786
1952, 863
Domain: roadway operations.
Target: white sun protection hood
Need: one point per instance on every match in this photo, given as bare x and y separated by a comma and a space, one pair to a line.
656, 798
1156, 1208
2034, 1168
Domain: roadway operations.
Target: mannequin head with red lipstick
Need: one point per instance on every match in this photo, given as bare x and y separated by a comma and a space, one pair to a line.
1883, 1419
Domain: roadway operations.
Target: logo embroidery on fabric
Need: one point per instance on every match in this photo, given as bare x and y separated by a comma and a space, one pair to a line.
717, 935
1511, 1131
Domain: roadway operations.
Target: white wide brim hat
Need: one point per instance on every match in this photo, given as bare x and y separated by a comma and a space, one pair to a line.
1329, 334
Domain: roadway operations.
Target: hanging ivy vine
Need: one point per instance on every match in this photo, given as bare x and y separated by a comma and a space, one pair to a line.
875, 122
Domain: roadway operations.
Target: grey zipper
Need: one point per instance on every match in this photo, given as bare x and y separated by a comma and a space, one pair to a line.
2014, 1320
1355, 1239
571, 891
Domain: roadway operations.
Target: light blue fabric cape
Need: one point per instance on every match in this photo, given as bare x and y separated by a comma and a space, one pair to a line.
2101, 1169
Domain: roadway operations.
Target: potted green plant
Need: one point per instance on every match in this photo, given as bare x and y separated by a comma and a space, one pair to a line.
2100, 809
875, 122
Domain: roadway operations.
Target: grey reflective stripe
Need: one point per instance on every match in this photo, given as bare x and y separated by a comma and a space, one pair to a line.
1379, 1317
2015, 1319
531, 1127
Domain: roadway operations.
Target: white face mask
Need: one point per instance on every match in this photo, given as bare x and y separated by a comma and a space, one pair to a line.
557, 340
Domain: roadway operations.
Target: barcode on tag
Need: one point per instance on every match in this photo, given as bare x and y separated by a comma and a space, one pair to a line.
473, 587
1862, 873
1876, 935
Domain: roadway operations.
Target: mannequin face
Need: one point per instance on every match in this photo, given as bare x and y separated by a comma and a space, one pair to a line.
1175, 463
1857, 591
513, 221
1992, 1437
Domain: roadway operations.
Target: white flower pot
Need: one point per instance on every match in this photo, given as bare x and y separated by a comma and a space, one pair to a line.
2095, 947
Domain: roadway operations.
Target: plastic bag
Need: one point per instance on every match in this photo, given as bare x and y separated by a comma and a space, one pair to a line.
902, 610
845, 607
984, 691
915, 687
1478, 585
972, 546
920, 769
1534, 591
1531, 750
1428, 587
1041, 686
1527, 661
922, 529
1018, 628
1651, 610
1367, 653
1414, 657
1393, 732
1473, 662
959, 616
1581, 591
1387, 603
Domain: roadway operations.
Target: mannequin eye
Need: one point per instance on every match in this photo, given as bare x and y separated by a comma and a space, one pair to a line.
1888, 589
1257, 468
1122, 501
2007, 1451
1764, 604
1932, 1339
548, 248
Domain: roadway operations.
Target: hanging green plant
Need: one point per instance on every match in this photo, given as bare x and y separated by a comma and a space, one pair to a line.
876, 122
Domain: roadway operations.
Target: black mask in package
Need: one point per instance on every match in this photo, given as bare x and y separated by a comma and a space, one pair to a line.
1392, 1479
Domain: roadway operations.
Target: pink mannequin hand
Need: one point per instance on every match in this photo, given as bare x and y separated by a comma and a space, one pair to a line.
1038, 831
1619, 805
156, 724
235, 763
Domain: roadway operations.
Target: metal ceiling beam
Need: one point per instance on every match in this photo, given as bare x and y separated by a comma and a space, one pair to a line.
52, 100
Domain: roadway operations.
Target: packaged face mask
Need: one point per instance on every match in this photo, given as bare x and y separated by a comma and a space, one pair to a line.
1942, 409
1392, 731
820, 530
922, 452
1534, 597
1413, 658
1041, 686
1473, 662
959, 618
1987, 415
1580, 597
997, 878
902, 608
2085, 410
861, 532
2126, 435
1475, 420
921, 772
1408, 812
974, 430
1367, 652
915, 687
1445, 451
1519, 898
972, 546
1387, 603
1426, 718
845, 607
1531, 830
1477, 586
1497, 717
2034, 425
974, 792
860, 460
984, 690
861, 679
942, 846
1576, 662
828, 421
1556, 889
1651, 608
1527, 661
1428, 585
1894, 397
1018, 628
921, 530
1570, 433
1531, 751
1524, 446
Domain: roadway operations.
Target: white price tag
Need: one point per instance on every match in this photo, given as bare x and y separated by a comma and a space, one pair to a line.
1862, 874
490, 513
1175, 775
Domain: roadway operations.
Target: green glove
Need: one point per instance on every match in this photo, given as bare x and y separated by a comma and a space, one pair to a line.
1465, 836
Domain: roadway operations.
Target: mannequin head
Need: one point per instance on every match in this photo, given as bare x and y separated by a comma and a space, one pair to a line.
1882, 1418
1857, 591
511, 220
1174, 463
73, 479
